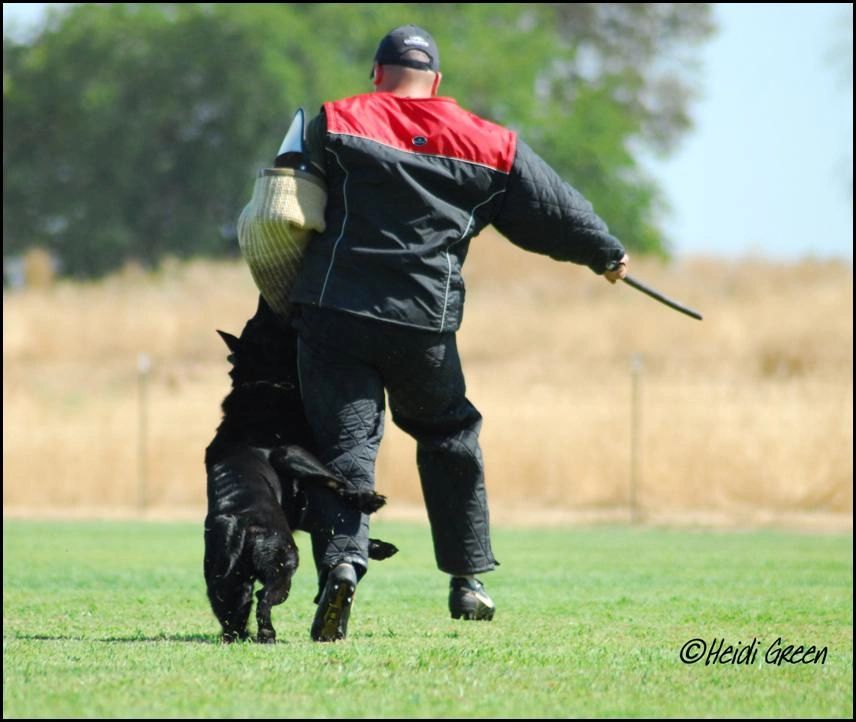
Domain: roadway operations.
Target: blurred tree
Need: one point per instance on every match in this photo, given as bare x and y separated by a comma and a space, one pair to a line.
128, 130
134, 130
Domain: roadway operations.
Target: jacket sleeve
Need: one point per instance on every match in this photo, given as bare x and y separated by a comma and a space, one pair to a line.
542, 213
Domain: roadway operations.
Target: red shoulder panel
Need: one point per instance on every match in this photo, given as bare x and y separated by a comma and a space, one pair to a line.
427, 126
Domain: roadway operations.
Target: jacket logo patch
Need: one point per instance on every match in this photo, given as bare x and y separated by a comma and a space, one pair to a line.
420, 140
417, 40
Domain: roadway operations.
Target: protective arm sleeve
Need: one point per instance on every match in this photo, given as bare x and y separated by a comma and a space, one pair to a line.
542, 213
315, 133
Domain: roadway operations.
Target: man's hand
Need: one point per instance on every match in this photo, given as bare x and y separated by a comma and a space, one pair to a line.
618, 270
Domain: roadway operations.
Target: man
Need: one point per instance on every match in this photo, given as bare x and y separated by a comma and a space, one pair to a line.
411, 178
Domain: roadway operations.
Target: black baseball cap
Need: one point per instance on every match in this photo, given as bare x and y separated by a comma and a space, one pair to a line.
396, 43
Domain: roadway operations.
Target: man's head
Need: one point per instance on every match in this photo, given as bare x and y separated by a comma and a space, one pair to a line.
407, 61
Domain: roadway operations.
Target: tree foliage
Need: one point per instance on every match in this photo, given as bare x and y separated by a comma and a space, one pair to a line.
134, 131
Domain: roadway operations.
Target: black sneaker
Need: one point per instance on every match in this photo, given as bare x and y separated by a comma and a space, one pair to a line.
334, 608
469, 600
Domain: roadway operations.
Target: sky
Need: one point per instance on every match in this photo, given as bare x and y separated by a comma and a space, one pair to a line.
767, 170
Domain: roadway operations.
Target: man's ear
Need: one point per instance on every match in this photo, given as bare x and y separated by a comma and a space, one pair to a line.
437, 79
377, 75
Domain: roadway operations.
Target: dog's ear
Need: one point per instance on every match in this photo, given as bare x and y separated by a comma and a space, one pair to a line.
231, 341
266, 317
263, 309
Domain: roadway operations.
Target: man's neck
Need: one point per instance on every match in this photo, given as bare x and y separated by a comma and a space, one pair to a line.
405, 91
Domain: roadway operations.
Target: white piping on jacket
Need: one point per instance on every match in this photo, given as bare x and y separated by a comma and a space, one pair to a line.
448, 251
342, 232
449, 256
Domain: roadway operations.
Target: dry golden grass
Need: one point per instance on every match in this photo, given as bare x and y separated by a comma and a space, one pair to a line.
745, 416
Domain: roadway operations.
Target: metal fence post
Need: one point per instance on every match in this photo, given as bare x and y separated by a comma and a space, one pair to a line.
636, 369
144, 366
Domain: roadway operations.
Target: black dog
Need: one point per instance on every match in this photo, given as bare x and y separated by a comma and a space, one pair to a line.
257, 465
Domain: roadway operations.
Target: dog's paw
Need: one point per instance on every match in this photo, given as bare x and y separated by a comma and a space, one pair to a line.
232, 637
381, 550
266, 636
368, 502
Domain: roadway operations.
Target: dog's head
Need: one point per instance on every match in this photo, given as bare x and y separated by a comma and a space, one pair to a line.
265, 351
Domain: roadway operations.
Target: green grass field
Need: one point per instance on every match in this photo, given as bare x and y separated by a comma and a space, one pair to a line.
111, 620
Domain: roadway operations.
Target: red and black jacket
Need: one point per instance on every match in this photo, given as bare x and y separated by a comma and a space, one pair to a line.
410, 181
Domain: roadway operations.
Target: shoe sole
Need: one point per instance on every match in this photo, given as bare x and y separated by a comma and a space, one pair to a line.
473, 614
338, 604
479, 612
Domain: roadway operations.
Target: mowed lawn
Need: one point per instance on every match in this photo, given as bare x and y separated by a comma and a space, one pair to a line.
110, 619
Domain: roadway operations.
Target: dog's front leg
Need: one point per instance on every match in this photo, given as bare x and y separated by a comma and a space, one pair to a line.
295, 462
268, 597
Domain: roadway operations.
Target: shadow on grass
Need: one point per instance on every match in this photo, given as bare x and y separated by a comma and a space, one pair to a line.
193, 638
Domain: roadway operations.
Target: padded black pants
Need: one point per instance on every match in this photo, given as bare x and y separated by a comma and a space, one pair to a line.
346, 363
